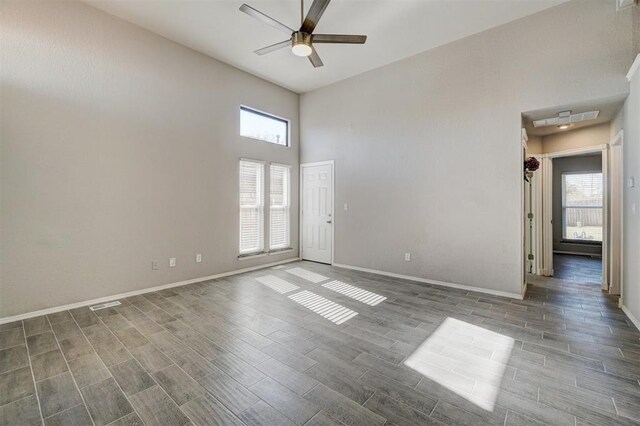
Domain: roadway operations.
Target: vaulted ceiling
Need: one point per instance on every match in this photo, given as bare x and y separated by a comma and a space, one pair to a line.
396, 29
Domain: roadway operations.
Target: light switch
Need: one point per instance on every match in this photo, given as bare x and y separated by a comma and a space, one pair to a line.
346, 207
631, 182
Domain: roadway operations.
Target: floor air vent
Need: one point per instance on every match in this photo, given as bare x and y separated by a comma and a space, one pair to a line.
104, 305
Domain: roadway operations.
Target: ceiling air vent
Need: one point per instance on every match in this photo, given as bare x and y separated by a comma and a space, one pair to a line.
565, 117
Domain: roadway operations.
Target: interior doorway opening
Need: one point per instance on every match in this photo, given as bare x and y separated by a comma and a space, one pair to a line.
572, 201
578, 215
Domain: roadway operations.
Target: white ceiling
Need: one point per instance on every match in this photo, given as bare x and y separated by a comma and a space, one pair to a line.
396, 29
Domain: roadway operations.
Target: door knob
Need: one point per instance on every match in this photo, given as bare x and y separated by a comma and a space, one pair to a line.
328, 221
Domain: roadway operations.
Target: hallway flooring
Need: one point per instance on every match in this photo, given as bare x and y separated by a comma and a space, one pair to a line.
578, 269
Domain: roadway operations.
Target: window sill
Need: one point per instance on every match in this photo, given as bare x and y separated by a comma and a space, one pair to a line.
280, 251
252, 255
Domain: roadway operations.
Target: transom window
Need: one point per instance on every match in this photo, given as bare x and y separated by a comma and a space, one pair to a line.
259, 125
582, 210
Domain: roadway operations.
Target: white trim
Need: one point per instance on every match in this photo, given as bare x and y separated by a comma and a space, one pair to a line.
433, 282
252, 256
275, 252
546, 249
616, 218
252, 160
537, 223
137, 292
618, 138
634, 68
333, 205
571, 152
605, 213
318, 163
633, 319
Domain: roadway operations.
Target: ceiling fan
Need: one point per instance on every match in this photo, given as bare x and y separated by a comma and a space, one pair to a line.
302, 40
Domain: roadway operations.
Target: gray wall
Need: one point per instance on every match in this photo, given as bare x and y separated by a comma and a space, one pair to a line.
586, 163
427, 149
119, 147
631, 250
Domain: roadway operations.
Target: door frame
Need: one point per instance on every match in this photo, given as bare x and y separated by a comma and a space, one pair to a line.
547, 244
333, 204
616, 239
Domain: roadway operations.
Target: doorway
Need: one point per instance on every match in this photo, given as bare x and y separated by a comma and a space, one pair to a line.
317, 218
576, 226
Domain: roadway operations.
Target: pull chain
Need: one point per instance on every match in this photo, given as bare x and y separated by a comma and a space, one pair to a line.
301, 12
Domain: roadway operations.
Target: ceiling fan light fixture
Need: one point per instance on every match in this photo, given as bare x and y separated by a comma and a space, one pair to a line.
301, 49
301, 44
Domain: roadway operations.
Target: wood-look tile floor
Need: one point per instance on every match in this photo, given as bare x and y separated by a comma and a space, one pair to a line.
578, 269
308, 344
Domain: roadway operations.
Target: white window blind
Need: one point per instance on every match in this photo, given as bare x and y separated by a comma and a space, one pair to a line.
582, 199
280, 206
251, 207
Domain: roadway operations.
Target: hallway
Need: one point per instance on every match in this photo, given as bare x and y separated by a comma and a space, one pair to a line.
577, 269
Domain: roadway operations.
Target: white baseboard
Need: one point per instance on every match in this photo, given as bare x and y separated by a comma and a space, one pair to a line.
137, 292
433, 282
633, 319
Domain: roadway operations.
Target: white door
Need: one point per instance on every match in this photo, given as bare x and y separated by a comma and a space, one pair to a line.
317, 212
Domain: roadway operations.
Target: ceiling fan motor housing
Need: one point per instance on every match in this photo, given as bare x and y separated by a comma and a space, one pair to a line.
301, 43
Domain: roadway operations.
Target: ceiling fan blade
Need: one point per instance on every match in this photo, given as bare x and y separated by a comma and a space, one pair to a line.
273, 47
315, 13
339, 38
266, 19
315, 59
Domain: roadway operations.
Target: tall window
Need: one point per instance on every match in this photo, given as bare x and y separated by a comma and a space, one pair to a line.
251, 207
582, 207
258, 125
279, 207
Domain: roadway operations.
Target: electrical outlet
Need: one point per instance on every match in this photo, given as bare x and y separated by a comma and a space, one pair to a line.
198, 258
172, 262
346, 207
154, 265
407, 257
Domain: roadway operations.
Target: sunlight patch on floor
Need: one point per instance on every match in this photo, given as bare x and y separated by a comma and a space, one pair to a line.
326, 308
354, 292
307, 275
277, 284
466, 359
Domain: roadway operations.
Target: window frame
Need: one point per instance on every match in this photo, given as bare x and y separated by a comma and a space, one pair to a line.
251, 110
260, 206
286, 208
564, 208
